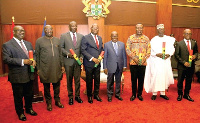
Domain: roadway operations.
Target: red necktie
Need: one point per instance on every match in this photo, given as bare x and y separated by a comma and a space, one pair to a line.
96, 42
74, 40
24, 49
188, 46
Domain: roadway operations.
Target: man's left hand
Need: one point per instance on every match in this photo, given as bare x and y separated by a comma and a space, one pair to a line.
63, 69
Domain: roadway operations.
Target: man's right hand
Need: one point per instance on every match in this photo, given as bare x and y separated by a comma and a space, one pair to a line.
95, 60
106, 71
187, 64
70, 55
28, 62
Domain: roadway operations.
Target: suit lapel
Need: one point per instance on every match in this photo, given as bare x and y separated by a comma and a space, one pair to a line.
78, 39
15, 44
92, 41
70, 39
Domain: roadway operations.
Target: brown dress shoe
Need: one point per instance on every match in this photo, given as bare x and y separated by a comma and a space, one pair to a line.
22, 117
59, 104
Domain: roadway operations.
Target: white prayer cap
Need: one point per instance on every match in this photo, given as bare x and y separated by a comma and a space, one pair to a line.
160, 26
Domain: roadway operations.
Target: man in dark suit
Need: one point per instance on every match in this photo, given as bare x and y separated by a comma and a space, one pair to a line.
91, 47
114, 63
72, 40
184, 69
15, 54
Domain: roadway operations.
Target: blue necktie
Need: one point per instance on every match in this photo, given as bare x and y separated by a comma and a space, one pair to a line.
115, 47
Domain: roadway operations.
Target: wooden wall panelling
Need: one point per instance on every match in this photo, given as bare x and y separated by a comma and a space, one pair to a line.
164, 14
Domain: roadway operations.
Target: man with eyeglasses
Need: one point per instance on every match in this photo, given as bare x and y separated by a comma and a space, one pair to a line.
50, 65
185, 49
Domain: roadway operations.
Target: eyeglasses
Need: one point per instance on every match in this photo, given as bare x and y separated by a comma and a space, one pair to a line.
20, 30
188, 33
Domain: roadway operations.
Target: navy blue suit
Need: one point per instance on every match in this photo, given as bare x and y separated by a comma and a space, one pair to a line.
114, 63
89, 49
20, 77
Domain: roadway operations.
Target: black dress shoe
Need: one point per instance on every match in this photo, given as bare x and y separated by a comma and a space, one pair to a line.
154, 97
49, 107
140, 98
71, 101
59, 104
78, 99
31, 112
179, 98
22, 117
164, 97
98, 98
90, 100
109, 99
118, 97
188, 98
132, 98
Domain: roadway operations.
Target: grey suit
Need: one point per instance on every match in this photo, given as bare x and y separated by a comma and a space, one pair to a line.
71, 66
114, 63
89, 49
182, 55
20, 76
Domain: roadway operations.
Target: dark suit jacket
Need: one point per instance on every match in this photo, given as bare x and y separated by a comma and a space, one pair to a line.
89, 49
67, 43
13, 55
182, 53
111, 58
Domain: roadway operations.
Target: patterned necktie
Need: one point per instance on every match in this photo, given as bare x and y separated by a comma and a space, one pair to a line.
74, 40
115, 47
188, 46
96, 42
24, 49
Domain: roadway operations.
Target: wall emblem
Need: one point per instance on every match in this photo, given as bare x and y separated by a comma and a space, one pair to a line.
96, 9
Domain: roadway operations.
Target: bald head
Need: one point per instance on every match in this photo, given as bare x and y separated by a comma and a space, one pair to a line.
48, 30
187, 34
94, 29
18, 32
139, 29
73, 26
114, 36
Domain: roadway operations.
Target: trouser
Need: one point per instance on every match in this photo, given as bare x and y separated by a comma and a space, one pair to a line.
137, 75
21, 90
90, 74
56, 89
182, 74
73, 71
110, 83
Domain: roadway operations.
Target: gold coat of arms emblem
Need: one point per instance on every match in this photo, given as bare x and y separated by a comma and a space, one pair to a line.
96, 9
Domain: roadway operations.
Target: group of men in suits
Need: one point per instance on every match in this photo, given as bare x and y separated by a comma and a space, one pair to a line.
53, 57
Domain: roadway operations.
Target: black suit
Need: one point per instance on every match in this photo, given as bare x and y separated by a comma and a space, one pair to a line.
89, 49
20, 76
182, 55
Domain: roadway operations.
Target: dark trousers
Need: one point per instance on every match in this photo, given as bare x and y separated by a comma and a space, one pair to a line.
90, 74
137, 75
110, 83
187, 75
56, 89
21, 90
73, 71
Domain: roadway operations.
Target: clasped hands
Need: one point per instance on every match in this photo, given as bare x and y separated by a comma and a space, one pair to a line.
138, 62
160, 55
30, 62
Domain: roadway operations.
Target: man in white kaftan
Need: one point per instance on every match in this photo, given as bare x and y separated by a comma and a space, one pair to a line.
158, 75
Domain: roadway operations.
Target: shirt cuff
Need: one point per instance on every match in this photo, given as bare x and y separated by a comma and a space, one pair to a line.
22, 62
91, 59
